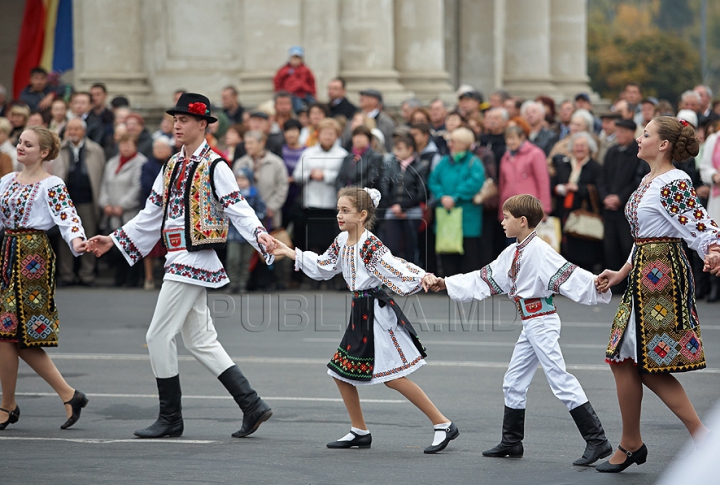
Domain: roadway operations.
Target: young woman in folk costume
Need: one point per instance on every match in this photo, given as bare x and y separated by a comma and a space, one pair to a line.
380, 345
31, 202
656, 330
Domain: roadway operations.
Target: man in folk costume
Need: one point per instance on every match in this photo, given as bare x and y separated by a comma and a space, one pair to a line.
190, 204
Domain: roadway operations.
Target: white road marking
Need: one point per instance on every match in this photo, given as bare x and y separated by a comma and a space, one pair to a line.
267, 398
102, 441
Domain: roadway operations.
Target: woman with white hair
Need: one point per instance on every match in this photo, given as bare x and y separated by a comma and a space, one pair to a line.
578, 182
582, 120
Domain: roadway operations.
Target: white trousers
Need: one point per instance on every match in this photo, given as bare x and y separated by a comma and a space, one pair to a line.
538, 344
182, 308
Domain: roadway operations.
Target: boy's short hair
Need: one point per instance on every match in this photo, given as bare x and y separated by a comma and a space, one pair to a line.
525, 205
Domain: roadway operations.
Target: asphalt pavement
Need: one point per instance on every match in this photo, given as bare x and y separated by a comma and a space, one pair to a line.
282, 342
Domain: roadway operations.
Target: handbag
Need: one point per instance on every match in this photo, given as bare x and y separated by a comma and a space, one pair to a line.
584, 224
449, 231
549, 231
487, 193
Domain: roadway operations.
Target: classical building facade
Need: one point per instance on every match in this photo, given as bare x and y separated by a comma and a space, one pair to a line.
426, 48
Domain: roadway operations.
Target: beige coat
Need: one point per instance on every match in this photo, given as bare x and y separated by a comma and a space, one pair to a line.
122, 189
94, 159
271, 180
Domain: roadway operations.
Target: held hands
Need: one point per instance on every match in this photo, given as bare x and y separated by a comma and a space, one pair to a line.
432, 282
99, 245
281, 249
80, 245
712, 260
268, 241
607, 279
447, 202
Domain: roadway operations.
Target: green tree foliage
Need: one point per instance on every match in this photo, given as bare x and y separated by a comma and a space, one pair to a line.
629, 46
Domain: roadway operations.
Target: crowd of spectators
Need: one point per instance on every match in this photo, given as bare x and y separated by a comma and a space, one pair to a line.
292, 154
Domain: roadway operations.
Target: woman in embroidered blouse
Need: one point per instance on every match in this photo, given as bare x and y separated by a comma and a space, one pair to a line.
380, 345
31, 202
656, 329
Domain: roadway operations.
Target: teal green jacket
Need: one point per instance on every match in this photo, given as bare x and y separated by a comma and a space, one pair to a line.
461, 181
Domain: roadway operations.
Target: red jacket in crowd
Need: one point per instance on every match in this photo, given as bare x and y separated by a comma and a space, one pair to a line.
297, 81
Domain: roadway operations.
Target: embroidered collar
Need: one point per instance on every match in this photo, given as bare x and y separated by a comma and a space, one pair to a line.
526, 241
200, 153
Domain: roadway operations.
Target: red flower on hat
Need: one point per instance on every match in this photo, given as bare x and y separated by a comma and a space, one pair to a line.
197, 108
683, 122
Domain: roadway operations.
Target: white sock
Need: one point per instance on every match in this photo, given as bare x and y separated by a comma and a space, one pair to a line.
351, 436
440, 433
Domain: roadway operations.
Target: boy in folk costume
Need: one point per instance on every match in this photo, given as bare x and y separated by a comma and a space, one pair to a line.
531, 273
190, 204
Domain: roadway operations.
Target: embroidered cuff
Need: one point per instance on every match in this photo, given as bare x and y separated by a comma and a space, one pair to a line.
126, 246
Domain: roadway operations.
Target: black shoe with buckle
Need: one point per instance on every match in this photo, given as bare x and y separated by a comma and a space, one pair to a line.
13, 417
361, 441
638, 456
451, 432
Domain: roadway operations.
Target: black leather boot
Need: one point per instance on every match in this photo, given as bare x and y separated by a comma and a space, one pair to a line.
592, 432
513, 433
169, 421
255, 411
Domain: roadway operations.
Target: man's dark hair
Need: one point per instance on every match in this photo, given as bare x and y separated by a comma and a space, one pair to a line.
119, 102
101, 86
38, 70
632, 83
341, 79
408, 140
292, 123
321, 106
231, 88
282, 94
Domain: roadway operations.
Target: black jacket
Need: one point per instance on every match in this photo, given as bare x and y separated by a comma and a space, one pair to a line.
623, 171
344, 107
406, 187
365, 172
590, 174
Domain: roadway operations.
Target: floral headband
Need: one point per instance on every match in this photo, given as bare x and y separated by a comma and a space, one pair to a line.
374, 196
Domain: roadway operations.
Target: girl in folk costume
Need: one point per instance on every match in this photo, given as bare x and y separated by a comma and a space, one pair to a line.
656, 329
31, 202
531, 273
380, 345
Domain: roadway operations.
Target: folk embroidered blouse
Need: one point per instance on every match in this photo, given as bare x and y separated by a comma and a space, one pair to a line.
529, 269
365, 265
668, 207
39, 206
137, 238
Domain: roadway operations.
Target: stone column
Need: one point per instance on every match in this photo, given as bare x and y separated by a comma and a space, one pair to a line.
568, 46
108, 50
367, 48
270, 28
419, 48
527, 48
321, 40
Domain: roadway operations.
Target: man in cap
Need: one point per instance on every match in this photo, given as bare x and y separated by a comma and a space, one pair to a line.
371, 103
297, 79
647, 109
470, 105
190, 204
623, 171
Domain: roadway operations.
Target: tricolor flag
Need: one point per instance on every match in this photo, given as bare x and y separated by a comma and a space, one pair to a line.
46, 40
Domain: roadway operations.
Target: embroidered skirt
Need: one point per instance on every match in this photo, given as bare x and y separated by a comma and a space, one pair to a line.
28, 315
371, 354
656, 324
